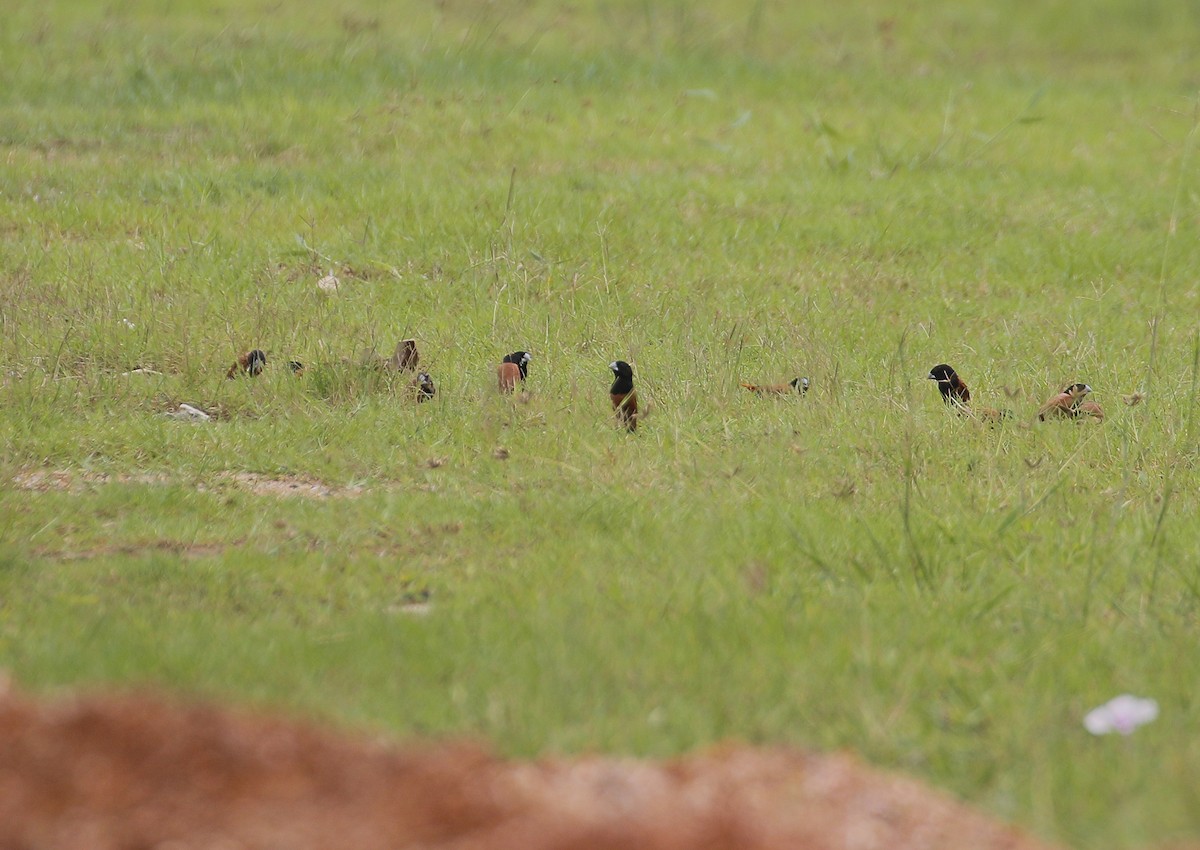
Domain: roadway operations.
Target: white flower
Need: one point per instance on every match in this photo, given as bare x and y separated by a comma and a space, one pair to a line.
128, 324
1121, 714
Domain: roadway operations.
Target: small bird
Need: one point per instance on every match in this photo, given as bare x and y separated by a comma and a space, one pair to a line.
250, 363
955, 393
991, 414
422, 387
624, 399
1068, 404
297, 367
1090, 408
406, 358
798, 385
514, 367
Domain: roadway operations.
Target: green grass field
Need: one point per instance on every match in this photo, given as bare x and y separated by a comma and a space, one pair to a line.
715, 192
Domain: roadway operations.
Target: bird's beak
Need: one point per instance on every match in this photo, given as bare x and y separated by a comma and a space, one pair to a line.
1086, 388
613, 366
931, 377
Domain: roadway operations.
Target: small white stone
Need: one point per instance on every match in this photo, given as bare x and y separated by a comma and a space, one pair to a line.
328, 284
189, 414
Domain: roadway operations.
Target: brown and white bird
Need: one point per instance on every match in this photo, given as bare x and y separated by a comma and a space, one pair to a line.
422, 387
623, 397
251, 363
796, 385
514, 367
1069, 405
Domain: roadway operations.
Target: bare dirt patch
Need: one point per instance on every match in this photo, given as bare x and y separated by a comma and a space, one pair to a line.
289, 485
45, 480
135, 550
137, 771
75, 481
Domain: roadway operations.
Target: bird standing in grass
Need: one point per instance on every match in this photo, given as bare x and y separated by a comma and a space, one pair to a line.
251, 363
1070, 404
953, 389
422, 387
514, 367
1091, 409
956, 394
405, 357
796, 385
624, 399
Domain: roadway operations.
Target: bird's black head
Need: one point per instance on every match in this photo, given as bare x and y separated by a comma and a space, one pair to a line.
296, 366
521, 358
255, 361
943, 374
800, 385
624, 373
947, 380
1078, 391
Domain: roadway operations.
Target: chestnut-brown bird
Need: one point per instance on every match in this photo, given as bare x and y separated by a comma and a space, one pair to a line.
990, 414
624, 399
955, 393
422, 387
251, 363
1091, 409
1067, 404
406, 358
514, 367
796, 385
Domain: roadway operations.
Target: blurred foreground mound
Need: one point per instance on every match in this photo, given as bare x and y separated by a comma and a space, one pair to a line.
139, 771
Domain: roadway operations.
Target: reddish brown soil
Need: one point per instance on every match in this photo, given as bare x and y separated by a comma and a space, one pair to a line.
137, 772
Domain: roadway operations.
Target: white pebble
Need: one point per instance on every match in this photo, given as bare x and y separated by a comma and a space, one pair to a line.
189, 414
